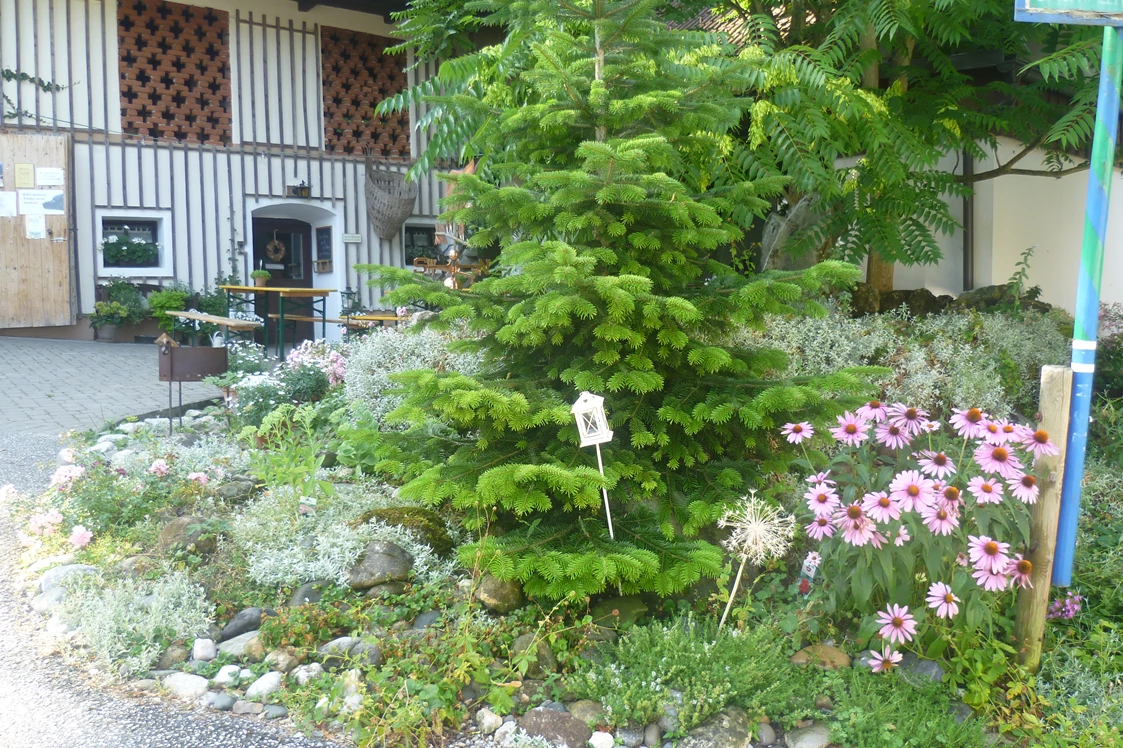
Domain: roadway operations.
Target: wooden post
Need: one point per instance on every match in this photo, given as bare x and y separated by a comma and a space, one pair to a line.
1033, 603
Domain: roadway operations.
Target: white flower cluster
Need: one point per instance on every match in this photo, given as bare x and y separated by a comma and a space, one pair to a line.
759, 531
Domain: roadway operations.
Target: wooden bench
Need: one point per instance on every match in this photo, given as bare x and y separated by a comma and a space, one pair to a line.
238, 325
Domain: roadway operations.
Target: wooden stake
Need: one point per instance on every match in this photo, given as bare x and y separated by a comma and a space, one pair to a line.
1033, 603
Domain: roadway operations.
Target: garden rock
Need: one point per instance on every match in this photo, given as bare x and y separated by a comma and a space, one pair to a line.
57, 626
961, 712
235, 491
765, 735
204, 650
555, 705
588, 711
488, 721
305, 673
267, 684
616, 612
560, 728
865, 299
283, 659
227, 676
185, 685
247, 620
133, 566
44, 601
505, 731
728, 729
309, 593
669, 721
54, 577
817, 735
499, 596
186, 533
381, 562
543, 664
336, 651
145, 684
826, 656
824, 703
652, 735
248, 707
425, 524
172, 656
66, 456
246, 674
104, 449
236, 647
43, 564
918, 672
602, 740
631, 737
275, 711
219, 702
425, 620
384, 590
367, 654
864, 658
254, 651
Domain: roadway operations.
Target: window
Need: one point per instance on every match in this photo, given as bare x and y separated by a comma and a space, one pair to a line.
420, 241
129, 243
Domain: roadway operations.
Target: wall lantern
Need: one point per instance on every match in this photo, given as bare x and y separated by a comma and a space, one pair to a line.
593, 428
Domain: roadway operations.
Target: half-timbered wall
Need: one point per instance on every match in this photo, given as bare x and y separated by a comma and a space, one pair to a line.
250, 127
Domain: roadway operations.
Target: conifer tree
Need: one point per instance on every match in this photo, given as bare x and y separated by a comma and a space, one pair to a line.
611, 183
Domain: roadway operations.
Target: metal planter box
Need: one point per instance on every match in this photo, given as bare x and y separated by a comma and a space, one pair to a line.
191, 364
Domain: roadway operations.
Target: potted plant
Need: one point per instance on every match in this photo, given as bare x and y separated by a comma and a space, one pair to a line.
107, 317
123, 250
261, 276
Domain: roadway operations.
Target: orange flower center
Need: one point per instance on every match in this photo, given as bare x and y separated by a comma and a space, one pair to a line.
949, 598
898, 622
851, 428
797, 429
1007, 428
941, 459
987, 488
822, 498
884, 502
999, 454
992, 428
951, 493
910, 413
974, 415
913, 490
875, 404
821, 521
942, 514
991, 548
1025, 566
1041, 436
854, 511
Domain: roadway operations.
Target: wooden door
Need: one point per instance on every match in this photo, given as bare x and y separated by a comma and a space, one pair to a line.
36, 285
290, 264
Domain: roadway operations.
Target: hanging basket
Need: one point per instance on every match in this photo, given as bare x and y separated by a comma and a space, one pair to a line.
390, 200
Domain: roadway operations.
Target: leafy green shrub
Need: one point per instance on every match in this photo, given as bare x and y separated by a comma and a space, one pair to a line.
171, 299
304, 384
129, 296
306, 626
128, 626
102, 499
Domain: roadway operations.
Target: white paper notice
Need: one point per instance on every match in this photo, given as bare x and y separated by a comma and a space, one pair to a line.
36, 227
8, 205
42, 202
49, 176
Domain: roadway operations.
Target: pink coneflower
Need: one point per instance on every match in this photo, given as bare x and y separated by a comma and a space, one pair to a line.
80, 537
1037, 443
797, 432
857, 528
874, 411
909, 419
938, 519
985, 490
822, 500
878, 540
1019, 571
823, 477
998, 458
930, 427
969, 423
891, 435
936, 464
961, 560
884, 661
813, 559
902, 536
819, 528
1025, 489
911, 490
989, 580
1009, 430
992, 433
940, 598
987, 553
851, 430
897, 624
880, 507
949, 498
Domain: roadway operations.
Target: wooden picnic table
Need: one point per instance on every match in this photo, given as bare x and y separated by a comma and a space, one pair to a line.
226, 323
314, 301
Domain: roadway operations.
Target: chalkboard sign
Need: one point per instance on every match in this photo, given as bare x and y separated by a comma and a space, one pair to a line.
323, 244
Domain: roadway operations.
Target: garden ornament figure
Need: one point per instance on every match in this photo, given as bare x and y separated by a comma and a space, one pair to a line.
593, 428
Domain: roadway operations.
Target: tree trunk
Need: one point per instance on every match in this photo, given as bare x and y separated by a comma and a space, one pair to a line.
879, 271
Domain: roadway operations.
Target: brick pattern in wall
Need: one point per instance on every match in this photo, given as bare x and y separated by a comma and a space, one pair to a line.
175, 71
358, 74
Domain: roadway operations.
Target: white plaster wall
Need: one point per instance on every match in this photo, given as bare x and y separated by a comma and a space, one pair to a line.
947, 276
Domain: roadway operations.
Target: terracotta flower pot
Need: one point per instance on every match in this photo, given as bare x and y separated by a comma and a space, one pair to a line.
107, 333
260, 281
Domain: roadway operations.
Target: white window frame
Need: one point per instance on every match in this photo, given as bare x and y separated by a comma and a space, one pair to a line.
163, 236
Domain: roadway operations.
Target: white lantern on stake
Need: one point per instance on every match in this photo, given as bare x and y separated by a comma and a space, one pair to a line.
592, 425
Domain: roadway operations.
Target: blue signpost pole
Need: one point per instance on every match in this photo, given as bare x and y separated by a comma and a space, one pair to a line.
1100, 175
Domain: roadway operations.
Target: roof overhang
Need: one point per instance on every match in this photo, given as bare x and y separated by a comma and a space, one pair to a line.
376, 7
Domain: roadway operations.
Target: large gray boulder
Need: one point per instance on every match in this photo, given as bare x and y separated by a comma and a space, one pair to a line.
186, 533
728, 729
560, 728
380, 562
544, 662
54, 577
246, 620
236, 647
499, 596
185, 685
817, 735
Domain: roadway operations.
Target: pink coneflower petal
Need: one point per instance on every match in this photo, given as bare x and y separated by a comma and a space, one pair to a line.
880, 507
989, 580
987, 553
857, 532
998, 458
878, 540
936, 464
902, 536
852, 430
911, 490
797, 432
885, 660
940, 598
823, 477
897, 624
874, 411
992, 433
938, 519
930, 427
949, 498
1019, 571
985, 490
1037, 443
961, 560
822, 500
1025, 488
891, 435
820, 528
908, 418
969, 423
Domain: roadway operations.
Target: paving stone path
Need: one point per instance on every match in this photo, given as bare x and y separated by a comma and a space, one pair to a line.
51, 386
